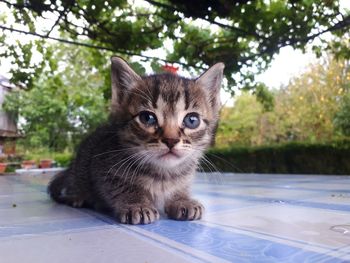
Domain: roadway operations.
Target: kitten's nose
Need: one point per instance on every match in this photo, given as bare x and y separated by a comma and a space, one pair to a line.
170, 142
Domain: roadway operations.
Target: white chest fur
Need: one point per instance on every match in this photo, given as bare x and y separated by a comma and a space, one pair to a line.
161, 191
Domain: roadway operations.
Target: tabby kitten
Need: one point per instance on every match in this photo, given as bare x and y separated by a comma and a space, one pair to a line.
143, 160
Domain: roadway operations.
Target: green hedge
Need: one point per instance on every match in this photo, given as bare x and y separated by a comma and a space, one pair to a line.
292, 158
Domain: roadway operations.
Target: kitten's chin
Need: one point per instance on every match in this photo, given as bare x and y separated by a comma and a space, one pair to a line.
169, 162
170, 156
171, 159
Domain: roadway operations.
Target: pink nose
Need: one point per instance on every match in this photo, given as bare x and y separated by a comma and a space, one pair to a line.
170, 142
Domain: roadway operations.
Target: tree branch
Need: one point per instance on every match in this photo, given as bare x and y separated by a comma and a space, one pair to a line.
124, 52
38, 9
63, 13
342, 24
237, 29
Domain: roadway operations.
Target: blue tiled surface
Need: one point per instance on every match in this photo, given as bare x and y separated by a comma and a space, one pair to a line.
249, 218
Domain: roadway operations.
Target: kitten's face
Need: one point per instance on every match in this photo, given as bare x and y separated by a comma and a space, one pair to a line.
171, 120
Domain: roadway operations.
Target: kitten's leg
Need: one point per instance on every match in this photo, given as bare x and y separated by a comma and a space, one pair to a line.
135, 208
182, 207
63, 190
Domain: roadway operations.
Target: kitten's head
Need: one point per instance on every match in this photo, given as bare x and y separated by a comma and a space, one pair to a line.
170, 120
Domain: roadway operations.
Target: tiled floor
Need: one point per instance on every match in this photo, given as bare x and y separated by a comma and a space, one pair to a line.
249, 218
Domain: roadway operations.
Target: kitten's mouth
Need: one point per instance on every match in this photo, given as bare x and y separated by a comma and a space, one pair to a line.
169, 154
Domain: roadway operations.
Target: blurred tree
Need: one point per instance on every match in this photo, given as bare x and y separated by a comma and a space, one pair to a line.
307, 106
313, 107
238, 124
244, 34
64, 104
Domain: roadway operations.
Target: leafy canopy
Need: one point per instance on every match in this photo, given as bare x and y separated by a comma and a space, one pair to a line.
244, 34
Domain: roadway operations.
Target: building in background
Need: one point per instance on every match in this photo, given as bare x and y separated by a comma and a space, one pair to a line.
8, 125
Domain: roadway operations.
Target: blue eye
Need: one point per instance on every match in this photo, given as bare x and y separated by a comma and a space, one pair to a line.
148, 118
191, 120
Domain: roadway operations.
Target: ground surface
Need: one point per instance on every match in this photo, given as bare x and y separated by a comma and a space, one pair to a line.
249, 218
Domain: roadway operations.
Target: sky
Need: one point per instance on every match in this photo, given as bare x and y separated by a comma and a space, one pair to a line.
285, 65
290, 63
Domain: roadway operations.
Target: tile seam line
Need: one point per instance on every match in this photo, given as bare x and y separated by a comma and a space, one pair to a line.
274, 236
285, 201
281, 187
166, 245
112, 223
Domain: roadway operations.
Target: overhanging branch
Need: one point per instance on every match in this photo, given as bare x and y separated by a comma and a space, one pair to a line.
123, 52
233, 28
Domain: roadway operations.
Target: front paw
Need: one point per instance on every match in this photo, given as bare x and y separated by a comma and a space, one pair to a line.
185, 210
137, 214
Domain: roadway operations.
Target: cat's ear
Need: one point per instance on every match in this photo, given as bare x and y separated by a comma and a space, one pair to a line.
123, 78
211, 81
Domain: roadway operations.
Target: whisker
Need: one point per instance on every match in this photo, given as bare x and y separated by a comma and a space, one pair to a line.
139, 167
112, 151
124, 160
227, 162
214, 172
235, 168
219, 178
129, 166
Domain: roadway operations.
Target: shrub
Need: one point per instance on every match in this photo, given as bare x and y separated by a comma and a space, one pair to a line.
63, 159
293, 158
342, 117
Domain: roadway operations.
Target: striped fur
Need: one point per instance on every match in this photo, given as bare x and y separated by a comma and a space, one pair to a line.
136, 170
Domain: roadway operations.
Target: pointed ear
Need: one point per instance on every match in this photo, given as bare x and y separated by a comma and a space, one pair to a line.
211, 81
123, 79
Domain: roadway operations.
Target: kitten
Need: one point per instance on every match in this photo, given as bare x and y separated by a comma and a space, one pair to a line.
143, 160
